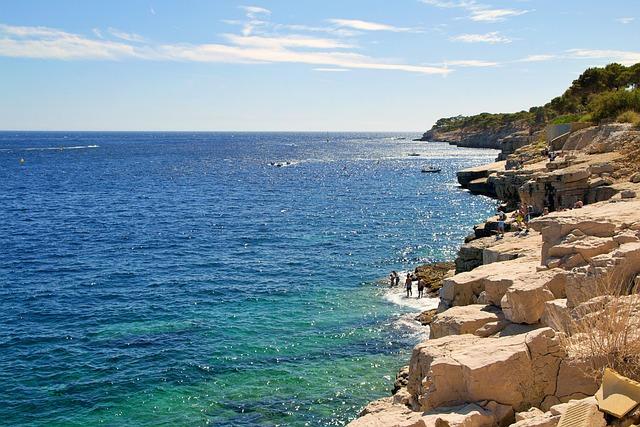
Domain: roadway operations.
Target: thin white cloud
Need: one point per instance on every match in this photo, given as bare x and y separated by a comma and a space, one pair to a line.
294, 41
603, 56
254, 11
494, 15
492, 38
338, 32
255, 15
477, 11
331, 70
449, 4
357, 24
130, 37
625, 20
538, 58
471, 63
152, 10
621, 56
49, 43
227, 53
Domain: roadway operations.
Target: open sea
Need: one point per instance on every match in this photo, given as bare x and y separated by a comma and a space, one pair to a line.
180, 279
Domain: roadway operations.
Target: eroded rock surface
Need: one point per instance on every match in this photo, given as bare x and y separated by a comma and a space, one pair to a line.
495, 340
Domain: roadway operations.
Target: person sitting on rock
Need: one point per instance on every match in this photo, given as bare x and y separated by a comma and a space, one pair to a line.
408, 282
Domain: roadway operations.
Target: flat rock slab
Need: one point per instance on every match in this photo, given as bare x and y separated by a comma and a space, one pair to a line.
464, 320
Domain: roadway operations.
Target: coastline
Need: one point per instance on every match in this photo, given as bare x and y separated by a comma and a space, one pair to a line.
495, 349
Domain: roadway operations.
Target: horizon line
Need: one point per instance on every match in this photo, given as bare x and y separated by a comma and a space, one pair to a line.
210, 131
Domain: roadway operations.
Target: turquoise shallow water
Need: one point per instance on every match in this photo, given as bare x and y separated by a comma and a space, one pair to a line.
180, 279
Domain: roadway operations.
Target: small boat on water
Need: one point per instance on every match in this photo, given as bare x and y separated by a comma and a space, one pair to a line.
280, 164
430, 169
413, 155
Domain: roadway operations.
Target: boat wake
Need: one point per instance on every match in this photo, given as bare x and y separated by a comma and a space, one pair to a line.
73, 147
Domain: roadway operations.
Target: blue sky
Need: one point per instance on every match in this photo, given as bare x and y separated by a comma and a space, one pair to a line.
295, 65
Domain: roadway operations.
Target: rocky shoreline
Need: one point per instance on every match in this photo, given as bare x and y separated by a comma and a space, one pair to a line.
498, 352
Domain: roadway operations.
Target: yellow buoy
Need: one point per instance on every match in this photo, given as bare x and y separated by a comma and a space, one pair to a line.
22, 161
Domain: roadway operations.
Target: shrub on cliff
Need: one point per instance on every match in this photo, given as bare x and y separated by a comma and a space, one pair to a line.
604, 332
483, 121
591, 84
610, 105
629, 117
567, 118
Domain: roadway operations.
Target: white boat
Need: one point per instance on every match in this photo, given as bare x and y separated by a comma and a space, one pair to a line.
430, 169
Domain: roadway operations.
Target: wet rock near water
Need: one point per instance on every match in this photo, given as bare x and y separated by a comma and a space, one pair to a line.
426, 317
402, 378
433, 274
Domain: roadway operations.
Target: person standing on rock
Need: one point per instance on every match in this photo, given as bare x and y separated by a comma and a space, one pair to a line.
394, 279
407, 283
502, 217
420, 287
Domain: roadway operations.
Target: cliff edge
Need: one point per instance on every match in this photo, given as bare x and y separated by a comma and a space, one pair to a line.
482, 131
507, 345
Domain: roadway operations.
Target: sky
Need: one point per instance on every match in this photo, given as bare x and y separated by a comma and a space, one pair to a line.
295, 65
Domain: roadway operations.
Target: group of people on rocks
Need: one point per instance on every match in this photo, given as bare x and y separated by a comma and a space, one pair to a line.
394, 280
521, 217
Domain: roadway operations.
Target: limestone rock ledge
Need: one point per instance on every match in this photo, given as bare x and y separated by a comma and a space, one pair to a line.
495, 357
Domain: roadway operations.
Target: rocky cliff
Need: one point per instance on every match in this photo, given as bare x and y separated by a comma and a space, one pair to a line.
477, 136
589, 168
498, 352
505, 132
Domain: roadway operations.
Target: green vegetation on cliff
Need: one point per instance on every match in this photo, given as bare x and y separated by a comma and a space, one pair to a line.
482, 121
599, 95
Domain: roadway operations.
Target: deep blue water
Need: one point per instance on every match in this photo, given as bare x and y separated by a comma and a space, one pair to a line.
179, 279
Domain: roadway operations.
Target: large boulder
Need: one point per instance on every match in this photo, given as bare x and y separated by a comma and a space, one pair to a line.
556, 315
463, 320
575, 380
460, 369
465, 288
606, 272
470, 254
523, 302
563, 231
